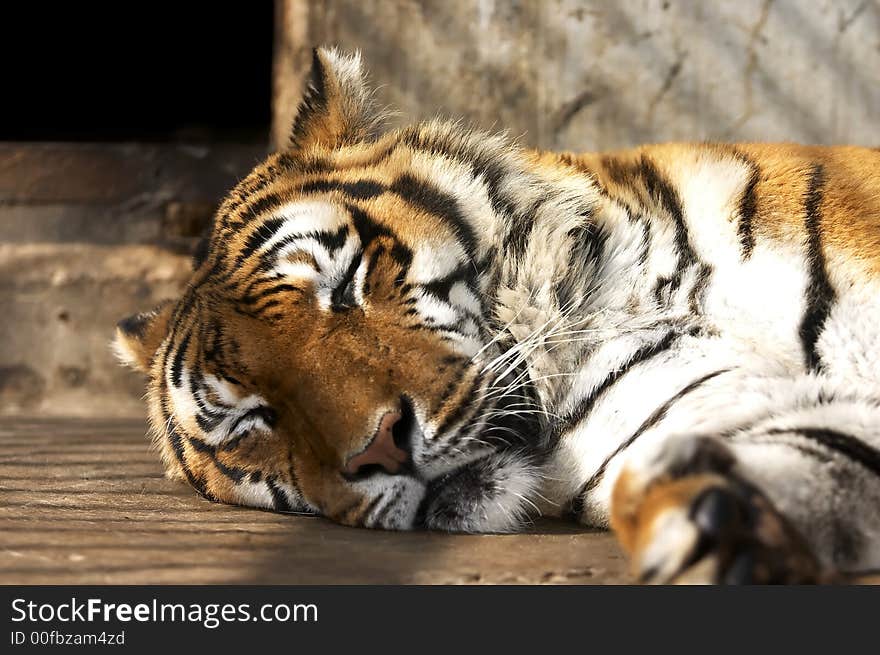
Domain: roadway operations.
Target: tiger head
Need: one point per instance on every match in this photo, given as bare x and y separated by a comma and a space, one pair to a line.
336, 350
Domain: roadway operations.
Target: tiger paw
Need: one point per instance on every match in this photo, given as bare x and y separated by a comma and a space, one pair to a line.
699, 523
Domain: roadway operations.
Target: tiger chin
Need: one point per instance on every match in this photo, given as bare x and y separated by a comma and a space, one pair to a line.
435, 328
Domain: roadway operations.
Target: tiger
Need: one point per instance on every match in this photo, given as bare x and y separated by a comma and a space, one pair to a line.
435, 327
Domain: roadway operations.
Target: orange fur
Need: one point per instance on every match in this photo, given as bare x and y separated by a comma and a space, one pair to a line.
850, 206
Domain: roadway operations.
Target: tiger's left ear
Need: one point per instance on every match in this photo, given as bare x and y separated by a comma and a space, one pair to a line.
138, 337
337, 108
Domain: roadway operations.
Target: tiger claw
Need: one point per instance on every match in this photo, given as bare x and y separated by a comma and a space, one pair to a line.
727, 533
699, 523
713, 511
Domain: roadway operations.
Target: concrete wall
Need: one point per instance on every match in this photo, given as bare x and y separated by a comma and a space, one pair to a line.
591, 75
90, 233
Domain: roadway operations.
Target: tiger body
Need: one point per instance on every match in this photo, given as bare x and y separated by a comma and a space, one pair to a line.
437, 328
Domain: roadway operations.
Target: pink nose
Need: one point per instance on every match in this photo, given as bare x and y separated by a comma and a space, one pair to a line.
382, 451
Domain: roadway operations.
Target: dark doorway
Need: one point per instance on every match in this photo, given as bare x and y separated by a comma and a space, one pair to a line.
157, 71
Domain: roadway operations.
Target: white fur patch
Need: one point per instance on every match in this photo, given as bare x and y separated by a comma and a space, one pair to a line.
435, 261
304, 216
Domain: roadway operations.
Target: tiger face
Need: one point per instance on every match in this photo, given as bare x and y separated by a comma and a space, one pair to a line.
332, 352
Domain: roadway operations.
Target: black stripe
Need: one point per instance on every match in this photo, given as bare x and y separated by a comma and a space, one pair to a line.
176, 441
486, 167
439, 328
695, 297
459, 412
658, 187
271, 291
208, 421
844, 444
368, 230
266, 414
374, 262
577, 503
245, 190
306, 164
385, 509
519, 230
259, 311
359, 189
258, 238
588, 243
315, 164
342, 297
268, 257
402, 255
748, 205
213, 351
441, 287
261, 205
278, 496
255, 281
366, 226
207, 418
360, 520
426, 196
232, 472
659, 191
467, 419
819, 295
646, 236
177, 363
233, 443
332, 241
663, 289
640, 356
171, 432
418, 193
472, 420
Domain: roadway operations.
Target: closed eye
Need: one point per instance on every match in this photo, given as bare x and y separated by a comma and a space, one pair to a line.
343, 296
252, 418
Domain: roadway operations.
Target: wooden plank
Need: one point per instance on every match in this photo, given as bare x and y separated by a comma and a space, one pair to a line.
85, 502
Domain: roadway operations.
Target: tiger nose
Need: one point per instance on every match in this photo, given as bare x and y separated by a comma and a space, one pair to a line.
384, 450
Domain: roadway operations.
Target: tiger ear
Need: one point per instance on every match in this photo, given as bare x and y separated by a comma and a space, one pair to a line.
337, 107
138, 337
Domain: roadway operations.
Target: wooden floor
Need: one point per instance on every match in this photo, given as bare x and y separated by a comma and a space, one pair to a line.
85, 502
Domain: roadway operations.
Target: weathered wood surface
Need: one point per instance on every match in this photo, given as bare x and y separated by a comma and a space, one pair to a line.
85, 502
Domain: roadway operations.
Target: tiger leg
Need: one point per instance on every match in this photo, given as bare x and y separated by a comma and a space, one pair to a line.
794, 498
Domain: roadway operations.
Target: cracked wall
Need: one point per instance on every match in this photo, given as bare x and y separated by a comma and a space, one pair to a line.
606, 74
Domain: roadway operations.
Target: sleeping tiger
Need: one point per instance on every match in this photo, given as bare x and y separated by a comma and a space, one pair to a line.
435, 328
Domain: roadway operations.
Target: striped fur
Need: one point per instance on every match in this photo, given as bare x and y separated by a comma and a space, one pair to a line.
551, 321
